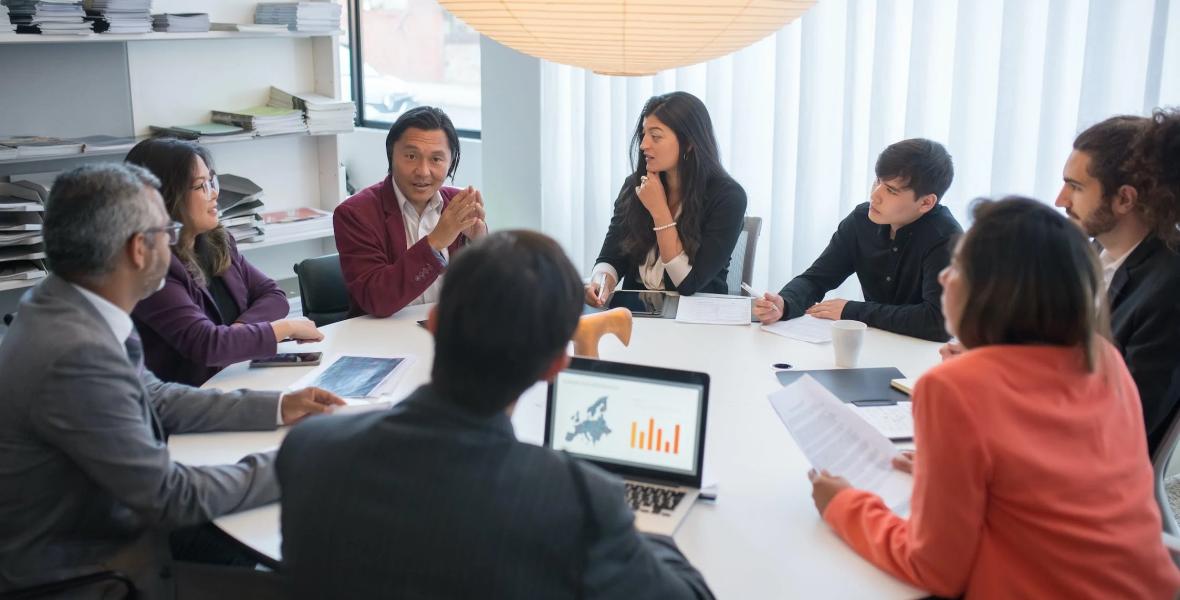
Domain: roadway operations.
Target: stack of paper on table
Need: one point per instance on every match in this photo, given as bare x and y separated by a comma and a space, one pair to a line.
805, 328
835, 439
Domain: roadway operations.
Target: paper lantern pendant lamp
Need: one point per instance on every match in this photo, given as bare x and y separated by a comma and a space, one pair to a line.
627, 37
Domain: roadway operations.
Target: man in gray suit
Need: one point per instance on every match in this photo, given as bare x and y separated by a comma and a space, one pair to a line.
86, 482
436, 498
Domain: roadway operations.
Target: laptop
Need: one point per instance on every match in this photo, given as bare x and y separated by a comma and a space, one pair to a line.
645, 424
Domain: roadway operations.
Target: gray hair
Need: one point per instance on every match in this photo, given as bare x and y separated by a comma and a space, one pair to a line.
91, 213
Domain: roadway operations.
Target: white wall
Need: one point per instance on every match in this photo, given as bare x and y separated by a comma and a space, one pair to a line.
511, 136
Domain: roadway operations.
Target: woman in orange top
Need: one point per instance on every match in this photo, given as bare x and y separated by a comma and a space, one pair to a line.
1031, 477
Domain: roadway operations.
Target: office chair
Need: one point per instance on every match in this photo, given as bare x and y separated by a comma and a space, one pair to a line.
741, 262
1159, 463
321, 289
104, 584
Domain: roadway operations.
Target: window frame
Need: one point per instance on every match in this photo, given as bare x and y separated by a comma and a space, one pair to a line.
356, 60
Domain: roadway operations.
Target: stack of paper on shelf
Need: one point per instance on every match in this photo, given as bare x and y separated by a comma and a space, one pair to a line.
120, 16
181, 22
264, 120
49, 17
22, 196
297, 220
323, 114
107, 143
21, 250
202, 132
239, 208
6, 25
29, 146
313, 17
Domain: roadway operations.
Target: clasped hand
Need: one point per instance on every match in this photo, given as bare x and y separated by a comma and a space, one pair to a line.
465, 215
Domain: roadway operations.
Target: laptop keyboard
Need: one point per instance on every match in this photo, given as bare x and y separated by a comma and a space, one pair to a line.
652, 499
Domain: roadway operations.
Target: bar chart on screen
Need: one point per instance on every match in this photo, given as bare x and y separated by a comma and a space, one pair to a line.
654, 438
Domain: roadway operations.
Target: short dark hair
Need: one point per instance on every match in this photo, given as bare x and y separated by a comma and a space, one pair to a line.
924, 164
1108, 144
508, 307
1032, 278
426, 118
90, 214
1154, 168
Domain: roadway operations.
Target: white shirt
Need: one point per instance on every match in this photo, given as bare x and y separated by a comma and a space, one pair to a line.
1111, 264
121, 327
418, 227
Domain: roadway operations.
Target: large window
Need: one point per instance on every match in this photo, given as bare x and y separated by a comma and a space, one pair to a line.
410, 53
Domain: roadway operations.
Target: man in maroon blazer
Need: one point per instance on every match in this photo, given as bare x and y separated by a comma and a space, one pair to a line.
395, 237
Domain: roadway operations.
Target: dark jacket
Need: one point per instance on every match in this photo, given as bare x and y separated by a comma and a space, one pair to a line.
429, 500
899, 276
382, 275
721, 224
1145, 323
185, 338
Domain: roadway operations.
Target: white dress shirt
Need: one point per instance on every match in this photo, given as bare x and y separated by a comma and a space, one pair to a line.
418, 227
1111, 264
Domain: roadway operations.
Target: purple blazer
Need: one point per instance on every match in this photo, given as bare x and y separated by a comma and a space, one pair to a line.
184, 337
381, 274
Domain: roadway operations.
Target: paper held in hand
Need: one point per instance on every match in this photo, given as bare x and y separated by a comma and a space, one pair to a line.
832, 437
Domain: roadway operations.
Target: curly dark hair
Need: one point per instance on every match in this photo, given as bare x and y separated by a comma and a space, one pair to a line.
1154, 169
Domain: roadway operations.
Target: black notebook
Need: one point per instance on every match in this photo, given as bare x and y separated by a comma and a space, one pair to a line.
851, 385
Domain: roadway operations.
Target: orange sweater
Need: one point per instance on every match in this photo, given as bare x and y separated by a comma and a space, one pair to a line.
1031, 480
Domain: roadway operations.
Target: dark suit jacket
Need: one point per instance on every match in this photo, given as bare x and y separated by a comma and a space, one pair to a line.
428, 500
86, 482
721, 224
185, 338
1145, 321
382, 275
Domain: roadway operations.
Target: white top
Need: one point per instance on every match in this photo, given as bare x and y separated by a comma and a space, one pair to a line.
115, 318
1111, 264
652, 270
418, 227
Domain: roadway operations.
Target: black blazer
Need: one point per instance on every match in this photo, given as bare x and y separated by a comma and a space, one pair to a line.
724, 215
1145, 322
428, 500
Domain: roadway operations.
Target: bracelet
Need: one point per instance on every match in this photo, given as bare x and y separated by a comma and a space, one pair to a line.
663, 227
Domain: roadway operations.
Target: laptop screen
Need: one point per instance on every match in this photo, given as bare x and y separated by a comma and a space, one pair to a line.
630, 419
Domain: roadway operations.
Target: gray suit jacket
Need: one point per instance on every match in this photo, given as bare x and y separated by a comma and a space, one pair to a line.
428, 500
86, 482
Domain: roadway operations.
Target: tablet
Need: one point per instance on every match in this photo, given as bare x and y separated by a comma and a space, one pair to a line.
641, 304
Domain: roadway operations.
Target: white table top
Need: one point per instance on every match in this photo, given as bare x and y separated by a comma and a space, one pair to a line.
761, 538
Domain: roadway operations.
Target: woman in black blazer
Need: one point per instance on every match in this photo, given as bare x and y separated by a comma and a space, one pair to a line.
678, 215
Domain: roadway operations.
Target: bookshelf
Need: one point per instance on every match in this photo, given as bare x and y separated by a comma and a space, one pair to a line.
100, 84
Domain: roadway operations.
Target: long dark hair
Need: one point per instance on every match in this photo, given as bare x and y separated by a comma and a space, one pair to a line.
171, 160
1032, 278
699, 162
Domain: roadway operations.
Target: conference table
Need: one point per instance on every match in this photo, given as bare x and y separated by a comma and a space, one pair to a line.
760, 538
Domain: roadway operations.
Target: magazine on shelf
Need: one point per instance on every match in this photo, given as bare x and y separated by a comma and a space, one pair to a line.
22, 270
30, 252
31, 146
294, 215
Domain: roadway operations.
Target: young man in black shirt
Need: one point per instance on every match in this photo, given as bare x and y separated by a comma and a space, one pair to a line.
896, 243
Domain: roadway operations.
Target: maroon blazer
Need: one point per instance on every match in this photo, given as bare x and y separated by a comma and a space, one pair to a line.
184, 337
382, 275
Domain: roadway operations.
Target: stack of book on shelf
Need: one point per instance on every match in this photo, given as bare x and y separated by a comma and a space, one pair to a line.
264, 120
49, 17
239, 208
202, 132
181, 22
311, 17
120, 16
22, 250
293, 221
30, 146
323, 114
6, 25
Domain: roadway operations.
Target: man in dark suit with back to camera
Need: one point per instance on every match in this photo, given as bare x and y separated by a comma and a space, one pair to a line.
86, 482
436, 498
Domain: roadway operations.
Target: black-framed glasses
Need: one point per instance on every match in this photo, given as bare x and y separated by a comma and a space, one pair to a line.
209, 185
172, 229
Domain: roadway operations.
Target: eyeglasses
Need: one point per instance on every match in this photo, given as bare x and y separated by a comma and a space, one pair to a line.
209, 185
173, 231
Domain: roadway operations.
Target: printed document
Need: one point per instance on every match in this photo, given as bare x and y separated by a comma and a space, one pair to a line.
714, 310
806, 328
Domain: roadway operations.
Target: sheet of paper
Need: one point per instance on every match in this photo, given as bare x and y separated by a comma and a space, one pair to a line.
894, 421
714, 310
806, 328
832, 437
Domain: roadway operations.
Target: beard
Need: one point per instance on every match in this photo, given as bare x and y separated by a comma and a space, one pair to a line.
1101, 221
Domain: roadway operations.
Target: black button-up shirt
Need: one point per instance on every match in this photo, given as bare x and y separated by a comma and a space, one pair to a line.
899, 276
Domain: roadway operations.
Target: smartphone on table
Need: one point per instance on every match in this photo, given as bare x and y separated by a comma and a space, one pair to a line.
288, 359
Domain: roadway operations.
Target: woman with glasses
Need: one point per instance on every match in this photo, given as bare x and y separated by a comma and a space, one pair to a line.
1031, 474
214, 309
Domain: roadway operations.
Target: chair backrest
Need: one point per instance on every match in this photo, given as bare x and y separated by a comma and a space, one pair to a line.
741, 262
322, 290
1159, 463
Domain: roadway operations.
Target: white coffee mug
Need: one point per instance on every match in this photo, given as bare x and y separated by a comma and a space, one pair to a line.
847, 338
